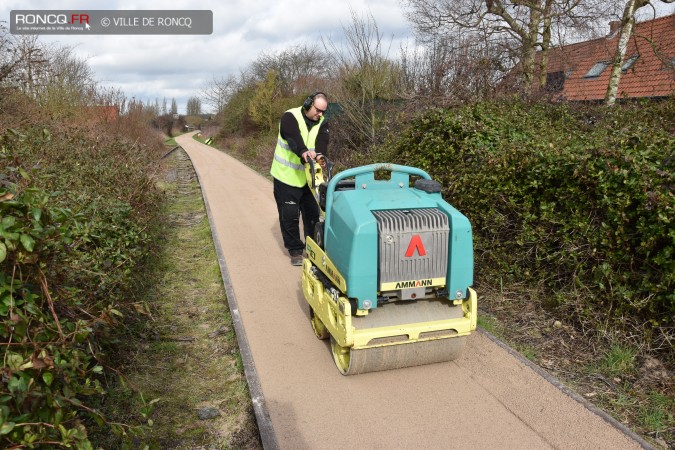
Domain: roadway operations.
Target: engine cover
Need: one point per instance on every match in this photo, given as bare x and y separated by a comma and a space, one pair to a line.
412, 250
388, 239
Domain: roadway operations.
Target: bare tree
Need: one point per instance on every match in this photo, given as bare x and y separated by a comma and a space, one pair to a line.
67, 84
625, 30
529, 25
156, 108
455, 67
218, 91
193, 107
54, 76
9, 55
368, 79
298, 68
23, 61
111, 96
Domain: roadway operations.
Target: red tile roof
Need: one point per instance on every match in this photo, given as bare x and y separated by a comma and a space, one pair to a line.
652, 74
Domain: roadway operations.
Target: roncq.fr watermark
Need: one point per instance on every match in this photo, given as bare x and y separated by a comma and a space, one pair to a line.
83, 22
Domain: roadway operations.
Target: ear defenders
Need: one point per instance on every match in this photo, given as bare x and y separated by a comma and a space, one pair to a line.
309, 101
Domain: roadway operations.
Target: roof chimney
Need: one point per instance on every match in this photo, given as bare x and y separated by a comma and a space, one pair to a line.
614, 26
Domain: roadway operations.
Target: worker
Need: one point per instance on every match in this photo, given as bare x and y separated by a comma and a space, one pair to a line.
303, 134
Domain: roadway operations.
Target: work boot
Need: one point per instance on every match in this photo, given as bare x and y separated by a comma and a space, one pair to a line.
296, 260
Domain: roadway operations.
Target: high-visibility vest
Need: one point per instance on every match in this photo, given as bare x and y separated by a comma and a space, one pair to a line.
287, 167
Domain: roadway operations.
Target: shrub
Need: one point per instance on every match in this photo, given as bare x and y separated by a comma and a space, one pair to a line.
77, 212
577, 199
236, 119
49, 368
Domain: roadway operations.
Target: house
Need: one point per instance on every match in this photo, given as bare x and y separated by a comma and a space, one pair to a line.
581, 71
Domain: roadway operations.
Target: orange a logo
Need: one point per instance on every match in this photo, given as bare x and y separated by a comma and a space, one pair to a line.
415, 244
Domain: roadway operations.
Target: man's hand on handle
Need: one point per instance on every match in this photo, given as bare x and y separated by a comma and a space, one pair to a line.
309, 154
318, 157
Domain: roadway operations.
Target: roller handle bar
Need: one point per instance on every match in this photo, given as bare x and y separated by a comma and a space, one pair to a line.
366, 174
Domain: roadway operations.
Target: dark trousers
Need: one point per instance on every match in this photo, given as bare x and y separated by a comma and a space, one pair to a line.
291, 202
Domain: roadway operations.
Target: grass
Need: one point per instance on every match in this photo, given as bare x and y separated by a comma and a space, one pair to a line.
188, 359
488, 323
658, 413
171, 142
619, 360
493, 326
528, 352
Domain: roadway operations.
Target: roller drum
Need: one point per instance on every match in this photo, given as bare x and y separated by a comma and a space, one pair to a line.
400, 355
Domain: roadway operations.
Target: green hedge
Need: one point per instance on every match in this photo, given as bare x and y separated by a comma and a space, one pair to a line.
77, 208
579, 200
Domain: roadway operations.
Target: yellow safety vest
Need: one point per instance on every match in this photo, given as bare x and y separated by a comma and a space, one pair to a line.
287, 167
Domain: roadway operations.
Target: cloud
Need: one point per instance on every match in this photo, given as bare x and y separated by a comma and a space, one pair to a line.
151, 66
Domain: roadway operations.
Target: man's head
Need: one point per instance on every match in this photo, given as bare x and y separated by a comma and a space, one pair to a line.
315, 105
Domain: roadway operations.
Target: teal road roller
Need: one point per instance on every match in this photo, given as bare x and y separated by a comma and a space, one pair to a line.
388, 269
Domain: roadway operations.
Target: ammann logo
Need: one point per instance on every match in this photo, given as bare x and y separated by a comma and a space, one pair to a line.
414, 284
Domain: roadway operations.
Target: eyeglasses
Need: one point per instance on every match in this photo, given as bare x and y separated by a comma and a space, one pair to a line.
320, 111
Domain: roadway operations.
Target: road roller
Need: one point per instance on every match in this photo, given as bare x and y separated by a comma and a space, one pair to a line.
388, 269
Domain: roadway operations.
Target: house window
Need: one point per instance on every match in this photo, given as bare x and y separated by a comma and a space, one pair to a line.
555, 81
629, 63
597, 69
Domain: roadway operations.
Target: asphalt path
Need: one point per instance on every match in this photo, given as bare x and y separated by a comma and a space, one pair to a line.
490, 398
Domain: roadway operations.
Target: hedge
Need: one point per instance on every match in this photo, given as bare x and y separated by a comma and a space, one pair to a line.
578, 199
77, 214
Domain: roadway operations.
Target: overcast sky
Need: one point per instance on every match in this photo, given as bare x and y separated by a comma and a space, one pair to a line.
162, 66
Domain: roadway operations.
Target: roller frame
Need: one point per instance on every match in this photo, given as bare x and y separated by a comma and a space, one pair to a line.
376, 347
335, 311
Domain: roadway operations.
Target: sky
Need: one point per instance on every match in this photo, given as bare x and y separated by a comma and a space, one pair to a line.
150, 67
157, 67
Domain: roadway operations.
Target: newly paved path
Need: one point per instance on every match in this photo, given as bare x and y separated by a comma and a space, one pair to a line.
487, 399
